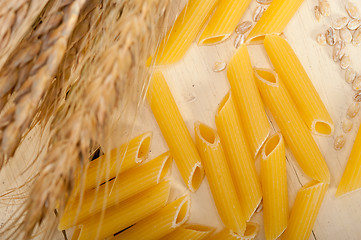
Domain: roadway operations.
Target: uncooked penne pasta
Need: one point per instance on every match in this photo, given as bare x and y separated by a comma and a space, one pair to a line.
189, 232
299, 85
184, 31
226, 234
224, 21
126, 213
304, 211
126, 185
351, 178
240, 160
175, 131
76, 233
119, 160
160, 223
274, 20
248, 100
274, 186
219, 178
297, 135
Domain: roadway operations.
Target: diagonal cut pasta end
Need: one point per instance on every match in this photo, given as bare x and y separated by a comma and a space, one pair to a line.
182, 213
212, 40
196, 177
322, 128
144, 147
271, 144
251, 232
255, 40
267, 76
164, 169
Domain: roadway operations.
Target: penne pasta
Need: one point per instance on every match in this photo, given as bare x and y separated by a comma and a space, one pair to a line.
160, 223
184, 31
119, 160
76, 233
126, 185
224, 21
304, 211
251, 232
219, 178
274, 186
240, 161
299, 85
189, 232
248, 100
295, 131
175, 132
125, 213
351, 178
274, 20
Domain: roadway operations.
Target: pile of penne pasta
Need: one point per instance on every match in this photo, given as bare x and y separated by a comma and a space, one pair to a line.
134, 194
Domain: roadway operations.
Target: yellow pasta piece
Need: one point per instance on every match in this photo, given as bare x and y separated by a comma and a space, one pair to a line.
304, 211
119, 160
160, 223
274, 20
189, 232
175, 131
293, 128
226, 234
184, 31
274, 186
351, 178
299, 85
224, 21
126, 213
248, 100
240, 161
76, 233
219, 178
127, 184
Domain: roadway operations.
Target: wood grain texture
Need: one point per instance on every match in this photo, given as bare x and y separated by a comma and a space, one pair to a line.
197, 91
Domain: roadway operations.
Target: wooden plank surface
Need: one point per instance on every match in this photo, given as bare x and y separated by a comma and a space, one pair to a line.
198, 90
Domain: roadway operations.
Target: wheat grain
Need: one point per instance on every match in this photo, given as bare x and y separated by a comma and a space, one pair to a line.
17, 18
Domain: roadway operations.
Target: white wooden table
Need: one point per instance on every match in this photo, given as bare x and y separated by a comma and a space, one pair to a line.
198, 90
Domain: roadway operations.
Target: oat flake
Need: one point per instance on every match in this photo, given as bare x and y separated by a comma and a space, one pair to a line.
338, 51
258, 12
325, 8
350, 75
356, 37
239, 40
352, 10
353, 24
219, 66
353, 110
340, 23
345, 35
345, 62
243, 27
321, 39
330, 36
357, 97
347, 125
339, 142
356, 85
318, 14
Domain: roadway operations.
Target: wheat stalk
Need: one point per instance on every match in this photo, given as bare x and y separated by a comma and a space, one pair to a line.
107, 74
31, 68
62, 83
17, 18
